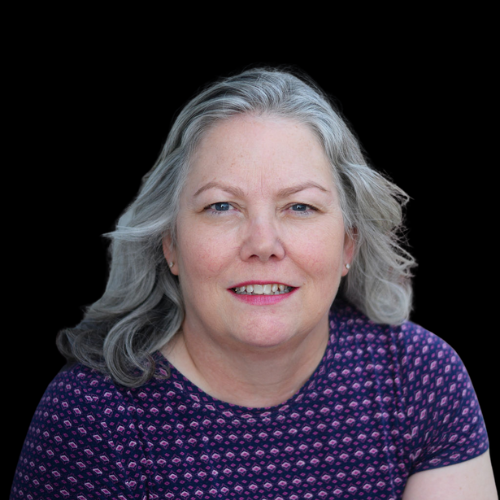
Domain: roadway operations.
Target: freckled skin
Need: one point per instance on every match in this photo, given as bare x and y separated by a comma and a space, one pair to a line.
263, 236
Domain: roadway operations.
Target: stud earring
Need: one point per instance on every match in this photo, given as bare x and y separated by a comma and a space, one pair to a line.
171, 264
348, 266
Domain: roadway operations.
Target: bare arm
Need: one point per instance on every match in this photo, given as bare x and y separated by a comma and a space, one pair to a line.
471, 480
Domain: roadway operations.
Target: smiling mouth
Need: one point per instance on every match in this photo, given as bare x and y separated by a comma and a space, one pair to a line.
267, 289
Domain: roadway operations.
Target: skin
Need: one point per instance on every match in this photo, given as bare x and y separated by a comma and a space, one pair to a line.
471, 480
261, 355
247, 354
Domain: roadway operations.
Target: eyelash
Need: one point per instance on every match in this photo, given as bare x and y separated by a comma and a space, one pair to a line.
310, 208
218, 212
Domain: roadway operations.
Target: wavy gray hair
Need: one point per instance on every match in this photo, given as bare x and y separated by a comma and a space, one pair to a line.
142, 306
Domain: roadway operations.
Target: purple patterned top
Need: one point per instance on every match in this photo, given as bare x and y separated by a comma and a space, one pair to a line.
385, 402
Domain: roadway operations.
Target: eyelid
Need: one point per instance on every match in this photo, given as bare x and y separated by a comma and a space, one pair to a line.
209, 207
308, 205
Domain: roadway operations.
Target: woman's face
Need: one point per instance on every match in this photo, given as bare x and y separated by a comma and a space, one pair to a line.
259, 208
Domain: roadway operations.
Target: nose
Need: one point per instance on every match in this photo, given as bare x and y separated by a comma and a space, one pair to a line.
261, 240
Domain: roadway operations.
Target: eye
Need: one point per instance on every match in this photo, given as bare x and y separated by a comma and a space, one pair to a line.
302, 208
222, 206
299, 207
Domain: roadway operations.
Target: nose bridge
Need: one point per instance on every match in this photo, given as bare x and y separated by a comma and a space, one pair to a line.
262, 238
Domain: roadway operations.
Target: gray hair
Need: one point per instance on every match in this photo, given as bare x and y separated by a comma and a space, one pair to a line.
142, 306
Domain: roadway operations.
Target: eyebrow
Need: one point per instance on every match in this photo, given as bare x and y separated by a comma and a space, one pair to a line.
220, 185
282, 193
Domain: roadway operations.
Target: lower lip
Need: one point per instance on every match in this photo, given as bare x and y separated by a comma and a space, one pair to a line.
262, 300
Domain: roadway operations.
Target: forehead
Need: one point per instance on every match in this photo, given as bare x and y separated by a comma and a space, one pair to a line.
271, 149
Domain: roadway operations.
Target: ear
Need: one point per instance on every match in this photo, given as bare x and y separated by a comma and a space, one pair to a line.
349, 248
170, 254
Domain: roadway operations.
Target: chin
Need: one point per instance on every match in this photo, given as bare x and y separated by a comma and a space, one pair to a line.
265, 337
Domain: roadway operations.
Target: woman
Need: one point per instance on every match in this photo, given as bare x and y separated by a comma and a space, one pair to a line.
253, 341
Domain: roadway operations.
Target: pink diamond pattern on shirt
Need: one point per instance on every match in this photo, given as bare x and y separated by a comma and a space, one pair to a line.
384, 403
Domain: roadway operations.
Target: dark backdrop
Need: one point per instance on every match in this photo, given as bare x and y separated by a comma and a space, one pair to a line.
90, 120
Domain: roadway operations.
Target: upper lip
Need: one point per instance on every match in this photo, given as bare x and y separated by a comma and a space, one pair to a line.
257, 282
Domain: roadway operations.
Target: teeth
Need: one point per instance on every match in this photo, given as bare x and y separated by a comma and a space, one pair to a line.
268, 289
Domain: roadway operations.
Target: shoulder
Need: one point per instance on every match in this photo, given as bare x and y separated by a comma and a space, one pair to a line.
420, 361
440, 418
79, 439
77, 391
409, 343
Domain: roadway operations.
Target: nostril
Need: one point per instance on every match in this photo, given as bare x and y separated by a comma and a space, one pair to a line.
262, 249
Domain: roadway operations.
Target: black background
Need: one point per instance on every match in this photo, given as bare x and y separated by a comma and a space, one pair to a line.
90, 117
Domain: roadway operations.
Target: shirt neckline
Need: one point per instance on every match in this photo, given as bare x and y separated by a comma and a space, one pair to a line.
182, 388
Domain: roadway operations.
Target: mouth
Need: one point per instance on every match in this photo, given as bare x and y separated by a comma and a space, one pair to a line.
263, 289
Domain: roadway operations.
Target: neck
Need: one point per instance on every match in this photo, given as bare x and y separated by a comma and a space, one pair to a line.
252, 377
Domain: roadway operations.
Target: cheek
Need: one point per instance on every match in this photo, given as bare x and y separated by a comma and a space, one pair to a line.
321, 253
322, 264
203, 255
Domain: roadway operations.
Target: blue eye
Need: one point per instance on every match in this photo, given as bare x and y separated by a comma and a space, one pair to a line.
303, 209
222, 206
300, 207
